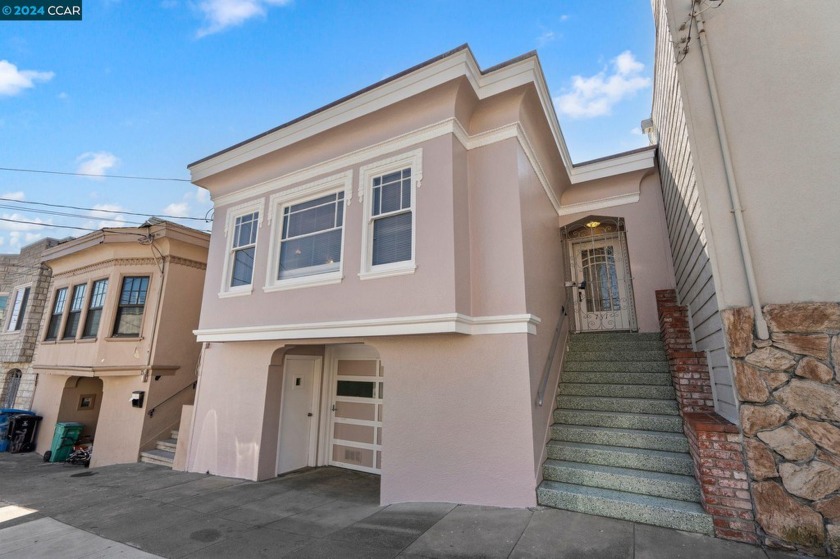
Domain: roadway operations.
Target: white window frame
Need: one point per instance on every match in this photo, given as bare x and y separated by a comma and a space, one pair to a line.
10, 311
290, 197
413, 160
231, 214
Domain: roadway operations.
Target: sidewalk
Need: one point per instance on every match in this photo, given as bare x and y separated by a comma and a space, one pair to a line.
141, 510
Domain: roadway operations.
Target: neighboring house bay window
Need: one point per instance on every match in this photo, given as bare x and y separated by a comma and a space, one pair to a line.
94, 314
131, 305
55, 317
71, 327
389, 192
308, 233
241, 228
18, 309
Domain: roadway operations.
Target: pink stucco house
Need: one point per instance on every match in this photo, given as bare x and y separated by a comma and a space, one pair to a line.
416, 281
386, 285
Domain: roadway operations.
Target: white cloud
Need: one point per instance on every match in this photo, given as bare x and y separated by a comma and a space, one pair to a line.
63, 96
637, 131
103, 216
545, 38
221, 14
181, 209
13, 81
12, 222
96, 163
597, 95
564, 17
19, 196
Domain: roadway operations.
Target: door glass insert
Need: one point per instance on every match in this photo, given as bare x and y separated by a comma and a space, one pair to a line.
601, 279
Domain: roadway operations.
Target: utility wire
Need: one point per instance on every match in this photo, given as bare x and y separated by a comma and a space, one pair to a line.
92, 175
62, 214
205, 219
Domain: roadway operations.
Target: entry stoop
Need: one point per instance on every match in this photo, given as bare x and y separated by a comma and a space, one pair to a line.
617, 446
164, 452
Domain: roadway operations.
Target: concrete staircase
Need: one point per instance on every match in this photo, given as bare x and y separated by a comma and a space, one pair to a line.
163, 453
617, 446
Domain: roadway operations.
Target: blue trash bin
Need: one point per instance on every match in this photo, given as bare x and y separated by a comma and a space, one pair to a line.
5, 416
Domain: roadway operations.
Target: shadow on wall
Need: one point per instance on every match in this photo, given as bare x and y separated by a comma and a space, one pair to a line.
81, 401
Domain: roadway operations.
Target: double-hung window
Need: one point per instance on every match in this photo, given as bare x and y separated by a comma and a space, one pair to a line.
242, 224
243, 249
131, 304
71, 327
311, 238
390, 190
18, 309
57, 312
94, 313
308, 233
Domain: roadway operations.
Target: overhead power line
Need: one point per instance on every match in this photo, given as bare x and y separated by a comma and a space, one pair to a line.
117, 212
92, 175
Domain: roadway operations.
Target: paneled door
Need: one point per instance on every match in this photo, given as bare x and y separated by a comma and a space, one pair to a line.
299, 413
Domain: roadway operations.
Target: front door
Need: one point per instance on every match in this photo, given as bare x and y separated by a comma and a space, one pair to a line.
298, 413
603, 294
355, 427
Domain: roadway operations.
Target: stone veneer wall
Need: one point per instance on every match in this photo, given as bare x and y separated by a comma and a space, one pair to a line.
714, 442
790, 416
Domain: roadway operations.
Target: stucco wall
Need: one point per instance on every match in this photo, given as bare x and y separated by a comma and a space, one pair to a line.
452, 402
650, 255
778, 92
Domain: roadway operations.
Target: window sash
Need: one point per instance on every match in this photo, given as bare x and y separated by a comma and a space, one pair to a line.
19, 310
71, 327
311, 237
129, 315
392, 239
55, 316
94, 314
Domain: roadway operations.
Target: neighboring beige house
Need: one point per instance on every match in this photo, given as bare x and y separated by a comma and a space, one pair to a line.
386, 276
23, 291
117, 327
746, 117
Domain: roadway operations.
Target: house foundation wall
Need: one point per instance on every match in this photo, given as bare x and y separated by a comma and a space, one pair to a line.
790, 417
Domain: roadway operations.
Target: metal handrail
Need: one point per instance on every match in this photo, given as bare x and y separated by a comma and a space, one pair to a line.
549, 362
152, 411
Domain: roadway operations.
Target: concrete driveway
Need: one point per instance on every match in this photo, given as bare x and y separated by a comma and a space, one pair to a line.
141, 510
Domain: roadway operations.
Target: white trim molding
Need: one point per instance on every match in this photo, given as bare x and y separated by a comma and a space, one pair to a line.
611, 166
599, 204
401, 326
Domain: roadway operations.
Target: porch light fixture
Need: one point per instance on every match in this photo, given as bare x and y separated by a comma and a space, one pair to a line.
593, 224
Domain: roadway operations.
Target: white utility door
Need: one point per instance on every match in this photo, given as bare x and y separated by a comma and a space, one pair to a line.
298, 413
355, 426
603, 297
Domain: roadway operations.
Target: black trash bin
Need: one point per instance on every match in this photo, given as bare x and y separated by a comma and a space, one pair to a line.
22, 430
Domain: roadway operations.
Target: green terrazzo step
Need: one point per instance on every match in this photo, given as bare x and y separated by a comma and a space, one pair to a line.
624, 405
610, 354
644, 422
622, 457
655, 484
632, 438
617, 391
616, 366
616, 337
587, 344
669, 513
596, 377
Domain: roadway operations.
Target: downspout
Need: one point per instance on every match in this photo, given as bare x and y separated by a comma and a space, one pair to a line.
737, 210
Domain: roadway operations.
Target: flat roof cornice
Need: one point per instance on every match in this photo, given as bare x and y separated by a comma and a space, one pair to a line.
454, 64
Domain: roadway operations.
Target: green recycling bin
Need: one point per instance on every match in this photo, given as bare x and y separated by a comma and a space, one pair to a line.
65, 436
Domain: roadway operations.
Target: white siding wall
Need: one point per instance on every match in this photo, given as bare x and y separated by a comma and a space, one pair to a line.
693, 270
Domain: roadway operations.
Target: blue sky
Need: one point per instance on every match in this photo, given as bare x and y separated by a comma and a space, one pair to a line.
145, 87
